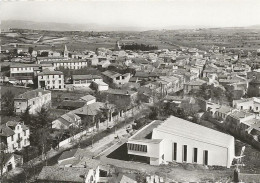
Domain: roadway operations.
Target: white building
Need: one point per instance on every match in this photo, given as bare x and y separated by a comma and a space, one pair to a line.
51, 79
84, 80
24, 73
249, 104
10, 161
100, 86
35, 99
14, 135
182, 141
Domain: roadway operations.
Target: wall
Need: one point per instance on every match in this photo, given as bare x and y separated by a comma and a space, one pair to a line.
217, 155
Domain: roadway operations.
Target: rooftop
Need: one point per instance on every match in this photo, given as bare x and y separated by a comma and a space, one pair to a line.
32, 94
49, 72
83, 77
68, 174
111, 74
183, 128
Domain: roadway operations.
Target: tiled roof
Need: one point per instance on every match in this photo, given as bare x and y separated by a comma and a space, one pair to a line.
5, 131
83, 77
111, 74
88, 98
49, 72
120, 92
32, 94
66, 174
67, 154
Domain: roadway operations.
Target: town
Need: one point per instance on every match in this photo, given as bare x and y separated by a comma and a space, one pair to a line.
154, 106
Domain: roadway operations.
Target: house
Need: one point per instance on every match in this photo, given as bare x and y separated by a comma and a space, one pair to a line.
193, 85
112, 77
100, 86
89, 99
223, 111
24, 73
56, 174
181, 141
73, 64
34, 98
50, 79
67, 156
14, 135
66, 121
126, 95
10, 161
126, 178
249, 104
235, 118
103, 64
71, 104
84, 80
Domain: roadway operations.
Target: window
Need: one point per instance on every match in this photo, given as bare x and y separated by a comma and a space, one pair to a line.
241, 107
137, 147
24, 141
175, 151
59, 76
256, 108
250, 107
24, 133
12, 138
195, 155
53, 82
206, 156
60, 82
19, 145
184, 153
19, 135
33, 102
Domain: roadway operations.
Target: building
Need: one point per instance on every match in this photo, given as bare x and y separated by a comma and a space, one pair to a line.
249, 104
181, 141
66, 121
100, 86
24, 73
89, 99
14, 135
49, 79
115, 78
84, 80
35, 99
56, 174
9, 161
193, 85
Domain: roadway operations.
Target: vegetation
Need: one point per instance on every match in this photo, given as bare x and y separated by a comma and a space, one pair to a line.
141, 47
7, 103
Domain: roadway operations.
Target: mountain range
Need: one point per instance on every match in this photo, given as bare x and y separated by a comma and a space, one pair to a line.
52, 26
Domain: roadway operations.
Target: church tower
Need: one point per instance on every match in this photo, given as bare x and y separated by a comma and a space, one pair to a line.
66, 52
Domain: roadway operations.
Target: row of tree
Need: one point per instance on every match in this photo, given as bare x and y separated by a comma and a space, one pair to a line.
141, 47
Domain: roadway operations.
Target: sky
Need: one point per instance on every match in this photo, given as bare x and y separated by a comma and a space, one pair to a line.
149, 13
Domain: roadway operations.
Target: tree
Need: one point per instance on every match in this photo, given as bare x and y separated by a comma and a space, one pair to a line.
2, 157
7, 103
30, 50
42, 118
26, 117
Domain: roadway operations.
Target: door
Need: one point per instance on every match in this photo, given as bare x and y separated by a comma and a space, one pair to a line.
206, 156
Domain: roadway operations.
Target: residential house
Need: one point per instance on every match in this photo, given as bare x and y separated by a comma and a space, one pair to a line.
223, 111
89, 99
181, 141
100, 86
71, 104
193, 85
84, 80
236, 118
24, 73
14, 135
50, 79
249, 104
126, 178
34, 99
66, 121
10, 161
55, 174
73, 64
112, 77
